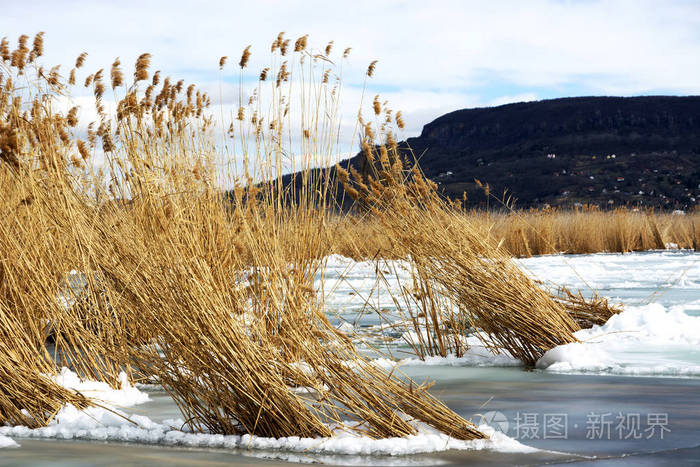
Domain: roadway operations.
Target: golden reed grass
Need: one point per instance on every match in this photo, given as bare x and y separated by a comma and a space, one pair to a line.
437, 323
149, 265
461, 260
524, 233
528, 233
28, 396
146, 265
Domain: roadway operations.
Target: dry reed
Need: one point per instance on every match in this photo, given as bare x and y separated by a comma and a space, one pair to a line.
589, 230
541, 232
504, 307
209, 293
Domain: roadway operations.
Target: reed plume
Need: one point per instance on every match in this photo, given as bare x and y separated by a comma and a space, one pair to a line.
143, 62
38, 45
116, 74
245, 56
371, 67
80, 61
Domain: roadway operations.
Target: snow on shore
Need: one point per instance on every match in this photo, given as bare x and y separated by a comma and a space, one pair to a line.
658, 339
111, 424
127, 396
649, 340
646, 340
98, 424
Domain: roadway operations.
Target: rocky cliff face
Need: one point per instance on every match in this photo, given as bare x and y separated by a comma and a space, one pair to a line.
610, 151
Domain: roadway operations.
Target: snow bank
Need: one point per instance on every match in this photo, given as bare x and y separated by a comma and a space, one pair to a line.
650, 323
98, 424
648, 340
69, 423
645, 340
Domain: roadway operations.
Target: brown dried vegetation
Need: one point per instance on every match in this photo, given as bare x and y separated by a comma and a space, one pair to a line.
147, 265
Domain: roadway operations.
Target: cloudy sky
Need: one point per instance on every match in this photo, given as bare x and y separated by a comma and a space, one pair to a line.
434, 56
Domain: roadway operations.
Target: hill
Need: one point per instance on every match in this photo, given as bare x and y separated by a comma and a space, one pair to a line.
609, 151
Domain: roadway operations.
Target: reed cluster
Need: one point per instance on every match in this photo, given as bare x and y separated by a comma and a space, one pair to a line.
549, 231
167, 264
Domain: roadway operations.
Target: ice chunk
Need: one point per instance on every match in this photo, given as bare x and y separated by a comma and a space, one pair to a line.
6, 442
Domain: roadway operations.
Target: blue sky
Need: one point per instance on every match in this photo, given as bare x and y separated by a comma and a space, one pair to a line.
434, 57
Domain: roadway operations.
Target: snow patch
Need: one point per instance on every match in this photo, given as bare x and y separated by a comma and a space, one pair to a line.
6, 442
127, 396
475, 356
575, 356
96, 423
644, 340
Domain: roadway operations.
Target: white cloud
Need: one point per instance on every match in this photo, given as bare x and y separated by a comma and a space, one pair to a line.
525, 97
434, 57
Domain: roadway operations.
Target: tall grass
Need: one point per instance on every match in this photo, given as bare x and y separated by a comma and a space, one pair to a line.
529, 233
175, 279
28, 395
173, 264
524, 233
463, 261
